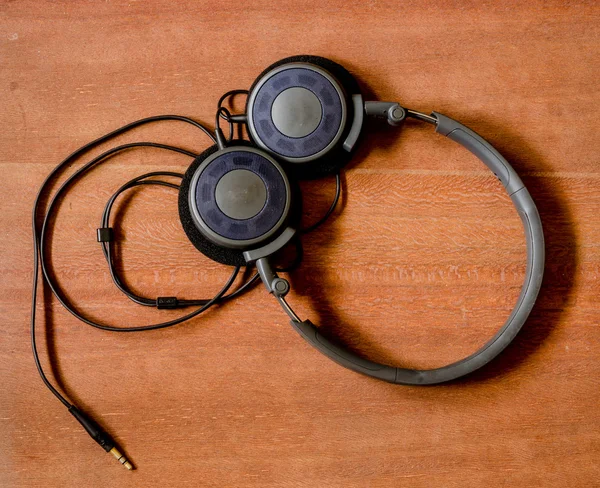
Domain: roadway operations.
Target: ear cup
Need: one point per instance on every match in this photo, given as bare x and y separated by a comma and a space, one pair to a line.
300, 110
234, 199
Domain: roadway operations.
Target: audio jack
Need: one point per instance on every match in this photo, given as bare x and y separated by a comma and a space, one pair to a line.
122, 459
99, 435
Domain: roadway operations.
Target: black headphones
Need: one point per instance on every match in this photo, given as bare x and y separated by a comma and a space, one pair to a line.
304, 115
239, 203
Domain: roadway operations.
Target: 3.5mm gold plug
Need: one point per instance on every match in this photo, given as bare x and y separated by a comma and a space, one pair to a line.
99, 435
119, 457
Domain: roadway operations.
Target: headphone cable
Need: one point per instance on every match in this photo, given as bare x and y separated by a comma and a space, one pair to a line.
91, 427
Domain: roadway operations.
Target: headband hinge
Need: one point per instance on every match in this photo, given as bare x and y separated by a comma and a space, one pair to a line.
391, 111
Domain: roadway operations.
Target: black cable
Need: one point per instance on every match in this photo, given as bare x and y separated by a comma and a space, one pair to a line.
91, 427
36, 238
106, 248
230, 93
226, 114
42, 236
338, 191
242, 289
222, 112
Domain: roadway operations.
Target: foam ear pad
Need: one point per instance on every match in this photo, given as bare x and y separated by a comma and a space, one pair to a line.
294, 147
219, 253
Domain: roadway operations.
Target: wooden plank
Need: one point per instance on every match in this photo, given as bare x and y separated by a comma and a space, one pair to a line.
419, 266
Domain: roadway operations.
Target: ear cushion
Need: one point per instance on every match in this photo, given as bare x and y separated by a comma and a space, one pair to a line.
336, 157
223, 255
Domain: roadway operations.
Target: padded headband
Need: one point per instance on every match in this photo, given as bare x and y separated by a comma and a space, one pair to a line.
533, 278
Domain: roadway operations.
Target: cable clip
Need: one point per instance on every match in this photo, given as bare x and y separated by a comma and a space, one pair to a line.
167, 303
104, 234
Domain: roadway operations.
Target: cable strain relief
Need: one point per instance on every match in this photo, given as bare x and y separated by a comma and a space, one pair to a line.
93, 429
220, 138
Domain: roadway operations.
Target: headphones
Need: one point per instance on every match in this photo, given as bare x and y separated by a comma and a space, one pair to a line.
304, 115
240, 204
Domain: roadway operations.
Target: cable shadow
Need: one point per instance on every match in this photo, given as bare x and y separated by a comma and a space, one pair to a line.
557, 287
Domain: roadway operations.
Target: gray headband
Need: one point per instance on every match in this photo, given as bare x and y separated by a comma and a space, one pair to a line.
533, 275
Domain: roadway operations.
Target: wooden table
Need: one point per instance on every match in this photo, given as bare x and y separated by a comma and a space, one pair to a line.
420, 265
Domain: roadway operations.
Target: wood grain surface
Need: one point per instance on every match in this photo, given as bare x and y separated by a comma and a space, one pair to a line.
420, 265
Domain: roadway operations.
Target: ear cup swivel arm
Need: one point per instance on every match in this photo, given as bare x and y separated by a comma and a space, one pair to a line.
533, 276
273, 283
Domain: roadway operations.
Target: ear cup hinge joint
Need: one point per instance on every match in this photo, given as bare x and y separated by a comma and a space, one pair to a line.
391, 111
273, 283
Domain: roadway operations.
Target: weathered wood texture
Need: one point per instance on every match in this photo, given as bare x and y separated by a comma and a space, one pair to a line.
421, 264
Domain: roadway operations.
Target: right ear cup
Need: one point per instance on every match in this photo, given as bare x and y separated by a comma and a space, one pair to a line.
301, 110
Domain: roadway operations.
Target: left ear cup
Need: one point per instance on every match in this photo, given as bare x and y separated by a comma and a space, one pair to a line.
234, 199
300, 109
